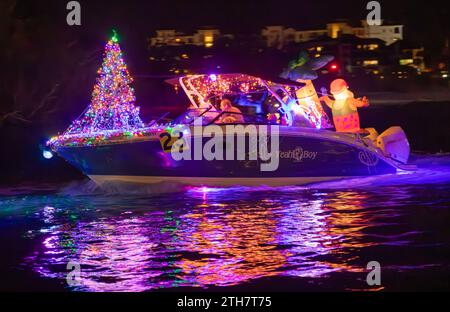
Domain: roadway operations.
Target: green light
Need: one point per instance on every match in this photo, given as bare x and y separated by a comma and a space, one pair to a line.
115, 37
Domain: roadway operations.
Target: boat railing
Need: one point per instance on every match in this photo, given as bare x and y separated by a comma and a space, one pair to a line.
157, 120
240, 118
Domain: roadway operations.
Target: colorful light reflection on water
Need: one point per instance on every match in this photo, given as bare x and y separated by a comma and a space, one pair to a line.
208, 237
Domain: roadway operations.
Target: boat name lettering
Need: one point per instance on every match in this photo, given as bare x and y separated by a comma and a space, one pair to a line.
298, 154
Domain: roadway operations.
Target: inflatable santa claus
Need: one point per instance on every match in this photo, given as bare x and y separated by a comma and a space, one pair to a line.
344, 107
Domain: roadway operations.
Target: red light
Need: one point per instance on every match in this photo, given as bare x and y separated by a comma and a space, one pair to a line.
333, 67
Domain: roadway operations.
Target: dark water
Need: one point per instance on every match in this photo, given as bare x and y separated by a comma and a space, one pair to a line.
319, 237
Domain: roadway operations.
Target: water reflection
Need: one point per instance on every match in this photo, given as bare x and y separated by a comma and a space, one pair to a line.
239, 244
205, 237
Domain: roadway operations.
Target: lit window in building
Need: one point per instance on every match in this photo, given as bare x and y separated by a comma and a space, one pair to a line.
335, 29
406, 61
370, 62
372, 46
209, 41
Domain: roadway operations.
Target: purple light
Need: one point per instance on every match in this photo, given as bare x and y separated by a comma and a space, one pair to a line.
213, 77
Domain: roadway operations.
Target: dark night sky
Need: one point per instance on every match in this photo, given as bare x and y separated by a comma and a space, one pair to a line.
252, 15
427, 22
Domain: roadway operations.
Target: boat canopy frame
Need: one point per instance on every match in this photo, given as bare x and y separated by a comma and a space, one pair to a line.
199, 100
196, 87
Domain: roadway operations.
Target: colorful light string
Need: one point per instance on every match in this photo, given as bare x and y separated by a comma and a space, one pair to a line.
112, 111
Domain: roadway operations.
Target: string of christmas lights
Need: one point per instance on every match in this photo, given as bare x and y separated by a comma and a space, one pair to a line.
111, 114
112, 106
217, 85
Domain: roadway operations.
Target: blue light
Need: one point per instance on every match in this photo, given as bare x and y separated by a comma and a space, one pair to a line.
47, 154
213, 77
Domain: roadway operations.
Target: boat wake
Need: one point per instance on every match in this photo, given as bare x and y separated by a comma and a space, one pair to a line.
431, 169
89, 187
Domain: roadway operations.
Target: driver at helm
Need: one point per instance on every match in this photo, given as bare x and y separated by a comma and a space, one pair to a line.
230, 114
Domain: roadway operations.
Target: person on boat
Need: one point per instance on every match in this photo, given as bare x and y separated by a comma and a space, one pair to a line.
230, 114
344, 107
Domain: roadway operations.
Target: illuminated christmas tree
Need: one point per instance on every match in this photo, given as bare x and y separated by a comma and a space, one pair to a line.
112, 106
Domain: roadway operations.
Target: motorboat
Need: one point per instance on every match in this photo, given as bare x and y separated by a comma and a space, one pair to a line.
284, 115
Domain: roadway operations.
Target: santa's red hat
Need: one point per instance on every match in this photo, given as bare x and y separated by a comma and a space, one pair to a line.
338, 85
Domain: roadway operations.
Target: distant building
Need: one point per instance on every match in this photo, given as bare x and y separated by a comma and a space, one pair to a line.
387, 33
357, 55
279, 36
352, 54
408, 54
202, 37
363, 50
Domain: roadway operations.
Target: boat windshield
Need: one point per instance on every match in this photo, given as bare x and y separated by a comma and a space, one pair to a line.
213, 116
207, 115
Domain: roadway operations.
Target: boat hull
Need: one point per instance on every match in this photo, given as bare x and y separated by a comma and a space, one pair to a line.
207, 181
304, 157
